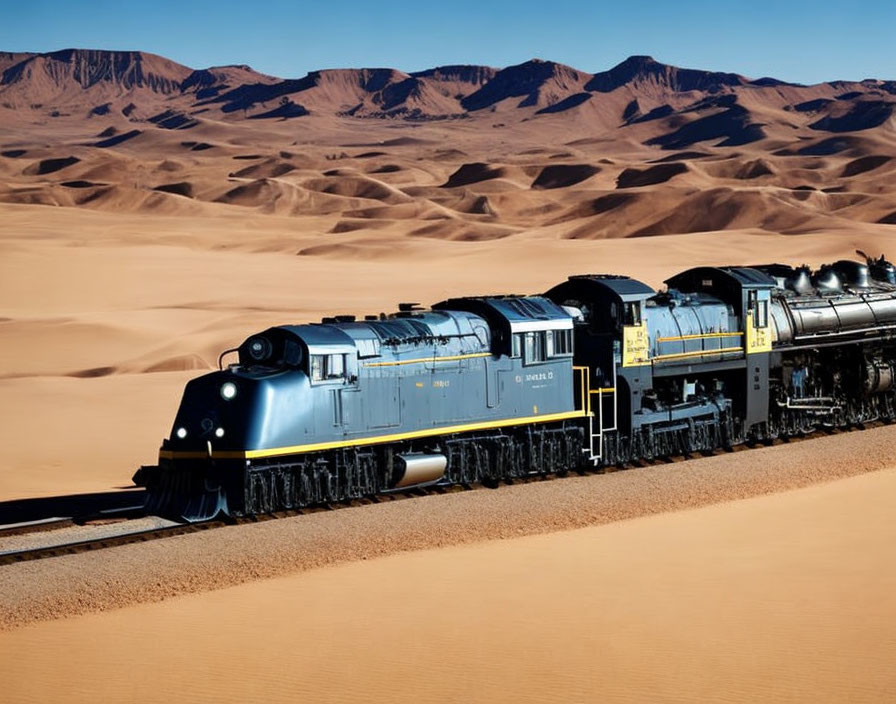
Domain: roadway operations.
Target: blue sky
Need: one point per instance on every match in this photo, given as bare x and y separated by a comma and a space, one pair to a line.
806, 41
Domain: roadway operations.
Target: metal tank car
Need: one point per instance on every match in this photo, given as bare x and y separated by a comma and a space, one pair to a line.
600, 370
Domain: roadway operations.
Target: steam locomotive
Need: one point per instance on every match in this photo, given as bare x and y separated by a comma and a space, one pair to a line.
599, 370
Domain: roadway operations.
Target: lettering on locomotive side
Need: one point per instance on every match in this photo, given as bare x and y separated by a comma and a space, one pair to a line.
759, 339
441, 383
534, 377
635, 345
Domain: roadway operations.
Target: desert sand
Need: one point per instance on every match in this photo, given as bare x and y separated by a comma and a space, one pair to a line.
152, 216
788, 597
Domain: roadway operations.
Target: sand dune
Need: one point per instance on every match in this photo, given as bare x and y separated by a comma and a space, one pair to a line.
471, 203
356, 187
271, 168
633, 178
352, 225
464, 233
863, 164
473, 173
49, 166
564, 175
181, 188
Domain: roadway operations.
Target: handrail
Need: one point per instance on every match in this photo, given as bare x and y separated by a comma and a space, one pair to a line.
585, 386
700, 336
696, 353
224, 354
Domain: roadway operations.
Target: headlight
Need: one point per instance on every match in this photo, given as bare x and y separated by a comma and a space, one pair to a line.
181, 433
219, 432
228, 390
259, 348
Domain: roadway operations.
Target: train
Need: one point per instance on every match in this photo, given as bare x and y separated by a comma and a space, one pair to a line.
599, 371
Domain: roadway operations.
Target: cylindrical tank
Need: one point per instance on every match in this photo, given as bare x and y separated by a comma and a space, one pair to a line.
694, 325
782, 326
827, 316
879, 376
415, 468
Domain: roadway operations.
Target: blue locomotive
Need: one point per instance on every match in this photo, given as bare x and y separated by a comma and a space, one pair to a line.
600, 370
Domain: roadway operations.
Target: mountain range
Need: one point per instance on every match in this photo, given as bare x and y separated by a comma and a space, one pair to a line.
137, 84
375, 155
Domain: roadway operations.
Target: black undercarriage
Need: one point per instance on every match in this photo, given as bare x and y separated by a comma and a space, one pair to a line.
199, 489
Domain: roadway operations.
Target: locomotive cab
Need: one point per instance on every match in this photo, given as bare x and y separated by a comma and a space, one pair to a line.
261, 400
611, 337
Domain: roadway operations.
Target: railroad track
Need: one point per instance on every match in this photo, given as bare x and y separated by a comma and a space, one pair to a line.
127, 537
44, 525
145, 535
107, 541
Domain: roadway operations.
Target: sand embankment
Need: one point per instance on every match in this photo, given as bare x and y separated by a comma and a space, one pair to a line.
786, 598
65, 586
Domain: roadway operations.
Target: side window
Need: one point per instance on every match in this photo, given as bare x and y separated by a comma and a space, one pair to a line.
518, 345
327, 367
368, 348
559, 343
335, 366
317, 367
759, 309
569, 342
762, 315
632, 313
535, 347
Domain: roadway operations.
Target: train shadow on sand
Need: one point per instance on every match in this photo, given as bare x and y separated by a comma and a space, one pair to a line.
71, 506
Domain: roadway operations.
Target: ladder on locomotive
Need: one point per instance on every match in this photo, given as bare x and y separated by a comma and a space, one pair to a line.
599, 416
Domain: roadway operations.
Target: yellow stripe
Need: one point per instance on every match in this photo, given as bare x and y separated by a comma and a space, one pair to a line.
449, 358
698, 353
698, 337
379, 439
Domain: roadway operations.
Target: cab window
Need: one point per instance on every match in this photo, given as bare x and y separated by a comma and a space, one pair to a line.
560, 343
762, 314
535, 347
759, 309
632, 313
327, 367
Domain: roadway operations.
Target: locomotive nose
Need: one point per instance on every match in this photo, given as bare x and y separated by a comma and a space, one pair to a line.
212, 408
